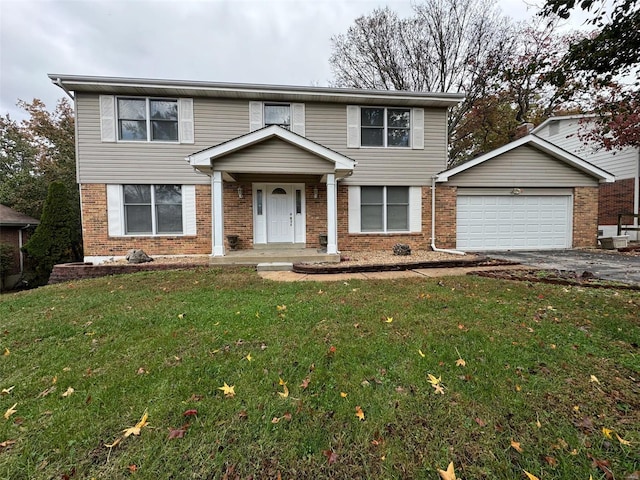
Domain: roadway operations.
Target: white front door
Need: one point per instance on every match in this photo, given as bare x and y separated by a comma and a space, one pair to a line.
280, 214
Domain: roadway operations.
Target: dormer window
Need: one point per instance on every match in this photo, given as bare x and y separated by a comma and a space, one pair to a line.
277, 114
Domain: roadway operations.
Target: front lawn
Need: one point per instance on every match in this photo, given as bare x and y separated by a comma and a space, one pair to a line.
358, 379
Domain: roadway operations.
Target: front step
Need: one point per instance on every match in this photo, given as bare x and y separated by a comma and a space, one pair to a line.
275, 267
255, 257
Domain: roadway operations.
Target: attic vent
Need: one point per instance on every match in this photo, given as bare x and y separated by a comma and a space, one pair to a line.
554, 128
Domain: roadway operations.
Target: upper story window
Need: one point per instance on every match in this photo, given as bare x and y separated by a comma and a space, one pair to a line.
385, 127
147, 119
277, 114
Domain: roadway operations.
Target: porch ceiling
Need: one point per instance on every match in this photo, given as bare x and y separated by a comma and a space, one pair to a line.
272, 150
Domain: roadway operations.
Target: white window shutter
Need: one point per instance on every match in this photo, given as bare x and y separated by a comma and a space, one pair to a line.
108, 118
189, 209
415, 209
353, 127
185, 116
417, 129
297, 118
354, 209
256, 120
115, 210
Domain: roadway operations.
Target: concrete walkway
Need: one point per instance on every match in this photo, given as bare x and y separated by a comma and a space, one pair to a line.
417, 273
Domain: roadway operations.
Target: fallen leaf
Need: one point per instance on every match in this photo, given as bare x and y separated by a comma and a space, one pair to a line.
480, 422
518, 388
530, 476
332, 456
594, 379
607, 433
248, 357
178, 432
538, 424
305, 383
438, 388
449, 474
433, 380
275, 420
332, 350
181, 316
136, 429
68, 392
10, 411
7, 352
141, 371
281, 308
343, 394
285, 392
389, 320
516, 446
359, 413
115, 443
551, 460
243, 415
228, 390
461, 363
421, 354
133, 468
7, 391
190, 413
7, 443
622, 441
603, 465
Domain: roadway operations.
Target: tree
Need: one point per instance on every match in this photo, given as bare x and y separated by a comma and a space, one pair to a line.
51, 243
607, 58
35, 153
447, 46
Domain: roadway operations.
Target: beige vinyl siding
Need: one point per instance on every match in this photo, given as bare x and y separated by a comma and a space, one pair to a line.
273, 156
327, 125
524, 166
215, 121
623, 164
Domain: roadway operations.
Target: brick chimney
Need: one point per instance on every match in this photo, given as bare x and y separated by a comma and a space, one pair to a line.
523, 130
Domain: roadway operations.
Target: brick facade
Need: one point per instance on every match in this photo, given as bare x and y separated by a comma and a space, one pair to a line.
97, 242
585, 217
615, 198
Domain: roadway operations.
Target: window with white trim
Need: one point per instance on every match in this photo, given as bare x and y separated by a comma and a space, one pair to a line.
147, 119
152, 209
277, 114
384, 209
385, 127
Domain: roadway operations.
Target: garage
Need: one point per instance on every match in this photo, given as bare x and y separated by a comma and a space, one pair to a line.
513, 222
527, 195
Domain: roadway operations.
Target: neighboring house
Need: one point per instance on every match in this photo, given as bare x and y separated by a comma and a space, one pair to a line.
622, 196
15, 229
176, 167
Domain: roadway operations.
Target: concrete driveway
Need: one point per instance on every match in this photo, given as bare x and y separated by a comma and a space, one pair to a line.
609, 266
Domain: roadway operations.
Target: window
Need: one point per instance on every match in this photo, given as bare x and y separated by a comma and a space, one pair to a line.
148, 119
277, 114
385, 127
384, 209
152, 209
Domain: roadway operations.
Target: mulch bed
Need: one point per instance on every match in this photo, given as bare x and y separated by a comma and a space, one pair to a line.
556, 277
396, 267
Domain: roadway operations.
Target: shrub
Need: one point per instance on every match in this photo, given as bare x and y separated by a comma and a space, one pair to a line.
52, 242
7, 252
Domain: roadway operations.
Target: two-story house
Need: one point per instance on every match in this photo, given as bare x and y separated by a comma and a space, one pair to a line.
622, 196
177, 167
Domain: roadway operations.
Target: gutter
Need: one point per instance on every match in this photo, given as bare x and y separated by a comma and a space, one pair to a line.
433, 222
59, 83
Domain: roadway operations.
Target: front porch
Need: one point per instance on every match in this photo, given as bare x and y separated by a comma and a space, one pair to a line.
274, 255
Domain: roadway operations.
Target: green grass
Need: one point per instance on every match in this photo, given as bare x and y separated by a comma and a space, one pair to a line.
530, 351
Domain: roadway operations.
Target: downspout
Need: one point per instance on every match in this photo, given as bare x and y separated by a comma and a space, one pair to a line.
433, 222
636, 197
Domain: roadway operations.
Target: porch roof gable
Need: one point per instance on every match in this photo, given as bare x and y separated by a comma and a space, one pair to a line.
204, 158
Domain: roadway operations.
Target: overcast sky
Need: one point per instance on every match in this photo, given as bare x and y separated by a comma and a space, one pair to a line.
250, 41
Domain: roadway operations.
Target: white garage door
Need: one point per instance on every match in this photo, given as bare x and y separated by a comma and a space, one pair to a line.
514, 222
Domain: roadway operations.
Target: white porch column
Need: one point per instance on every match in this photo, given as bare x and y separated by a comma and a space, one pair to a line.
332, 214
217, 210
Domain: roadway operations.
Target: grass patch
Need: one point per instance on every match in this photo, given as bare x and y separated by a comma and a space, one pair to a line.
164, 342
